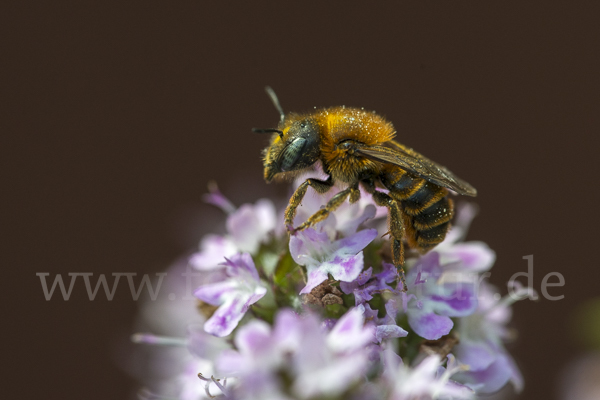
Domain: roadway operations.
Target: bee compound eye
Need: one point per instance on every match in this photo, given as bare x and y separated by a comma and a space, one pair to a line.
291, 154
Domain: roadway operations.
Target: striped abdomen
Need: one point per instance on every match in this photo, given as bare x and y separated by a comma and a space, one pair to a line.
426, 207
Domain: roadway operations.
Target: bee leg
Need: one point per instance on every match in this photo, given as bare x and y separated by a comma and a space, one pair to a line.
319, 186
354, 196
332, 205
396, 231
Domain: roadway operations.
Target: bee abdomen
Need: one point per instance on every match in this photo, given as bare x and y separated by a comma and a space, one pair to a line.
426, 207
431, 225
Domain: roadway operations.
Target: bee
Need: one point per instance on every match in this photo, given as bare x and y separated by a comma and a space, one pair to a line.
357, 147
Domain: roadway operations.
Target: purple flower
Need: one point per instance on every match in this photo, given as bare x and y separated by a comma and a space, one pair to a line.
481, 347
320, 363
203, 345
386, 327
247, 227
188, 383
213, 250
305, 356
253, 364
233, 295
251, 224
184, 385
216, 198
343, 360
343, 258
181, 367
427, 380
365, 286
350, 333
433, 297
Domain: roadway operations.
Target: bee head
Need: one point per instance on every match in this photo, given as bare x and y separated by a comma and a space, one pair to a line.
296, 144
295, 147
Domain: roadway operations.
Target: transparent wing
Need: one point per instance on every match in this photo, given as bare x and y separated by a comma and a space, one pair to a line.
411, 161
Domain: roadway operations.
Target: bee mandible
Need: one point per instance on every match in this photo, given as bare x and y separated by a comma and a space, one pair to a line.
357, 147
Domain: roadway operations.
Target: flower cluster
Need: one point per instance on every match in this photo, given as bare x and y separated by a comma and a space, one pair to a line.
322, 314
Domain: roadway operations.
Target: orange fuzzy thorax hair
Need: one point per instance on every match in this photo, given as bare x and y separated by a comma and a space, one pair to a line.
341, 123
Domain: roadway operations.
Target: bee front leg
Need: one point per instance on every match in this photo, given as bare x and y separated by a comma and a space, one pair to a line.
320, 187
332, 205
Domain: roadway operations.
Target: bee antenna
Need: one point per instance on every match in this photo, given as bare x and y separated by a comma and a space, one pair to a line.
275, 101
268, 130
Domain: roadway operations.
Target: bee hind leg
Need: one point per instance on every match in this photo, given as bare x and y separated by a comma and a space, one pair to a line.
331, 206
319, 186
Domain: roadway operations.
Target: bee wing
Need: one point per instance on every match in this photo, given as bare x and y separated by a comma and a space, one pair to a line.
411, 161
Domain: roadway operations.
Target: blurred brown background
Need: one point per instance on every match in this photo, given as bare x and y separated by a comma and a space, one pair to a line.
115, 117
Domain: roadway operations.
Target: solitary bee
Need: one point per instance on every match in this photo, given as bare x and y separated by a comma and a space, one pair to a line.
357, 147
